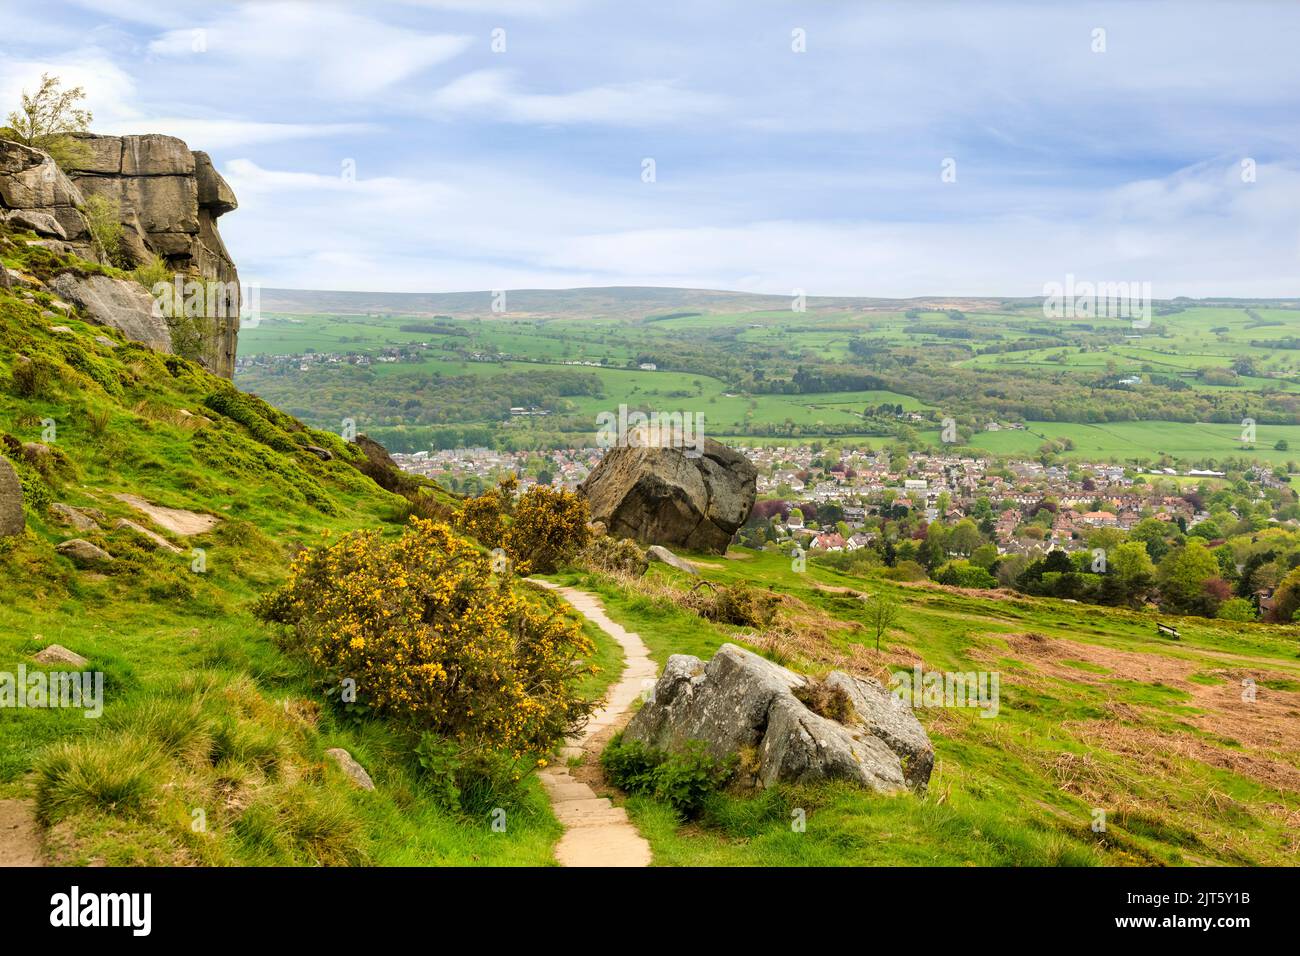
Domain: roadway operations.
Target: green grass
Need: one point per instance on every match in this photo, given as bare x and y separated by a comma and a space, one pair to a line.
1017, 789
205, 717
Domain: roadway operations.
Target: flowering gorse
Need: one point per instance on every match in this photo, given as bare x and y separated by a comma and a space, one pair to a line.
435, 639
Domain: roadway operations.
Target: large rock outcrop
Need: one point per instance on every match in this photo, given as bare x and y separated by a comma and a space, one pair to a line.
168, 198
741, 702
663, 495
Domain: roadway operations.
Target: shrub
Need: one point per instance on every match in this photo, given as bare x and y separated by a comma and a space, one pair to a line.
104, 219
1236, 609
483, 517
432, 640
546, 527
683, 780
549, 527
32, 378
614, 555
963, 574
905, 571
736, 604
473, 781
151, 272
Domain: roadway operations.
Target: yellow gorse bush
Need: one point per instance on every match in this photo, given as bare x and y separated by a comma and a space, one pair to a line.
543, 529
433, 638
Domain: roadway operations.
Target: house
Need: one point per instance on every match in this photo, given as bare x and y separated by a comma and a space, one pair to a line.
858, 541
1100, 519
829, 541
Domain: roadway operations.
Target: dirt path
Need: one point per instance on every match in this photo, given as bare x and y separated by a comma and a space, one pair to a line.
20, 837
597, 833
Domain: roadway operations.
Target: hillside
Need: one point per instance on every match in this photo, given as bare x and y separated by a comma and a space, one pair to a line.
1109, 745
211, 747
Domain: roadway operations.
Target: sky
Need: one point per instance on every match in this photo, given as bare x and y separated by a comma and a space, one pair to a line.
835, 148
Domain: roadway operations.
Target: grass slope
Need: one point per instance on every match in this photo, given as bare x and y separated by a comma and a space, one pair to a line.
211, 746
1096, 713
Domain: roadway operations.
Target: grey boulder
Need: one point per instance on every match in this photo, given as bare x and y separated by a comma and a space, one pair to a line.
12, 519
83, 553
741, 702
657, 552
354, 771
118, 304
659, 494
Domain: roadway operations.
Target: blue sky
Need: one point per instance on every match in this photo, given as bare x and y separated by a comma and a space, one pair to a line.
775, 170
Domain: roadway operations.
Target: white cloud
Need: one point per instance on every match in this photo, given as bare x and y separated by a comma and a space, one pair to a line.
345, 54
493, 94
483, 229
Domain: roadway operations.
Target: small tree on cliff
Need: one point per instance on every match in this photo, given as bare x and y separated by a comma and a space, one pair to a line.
47, 117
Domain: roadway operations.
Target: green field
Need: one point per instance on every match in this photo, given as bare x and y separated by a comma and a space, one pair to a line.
716, 363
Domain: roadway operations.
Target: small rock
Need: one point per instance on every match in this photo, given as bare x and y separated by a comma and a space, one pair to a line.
105, 341
79, 518
83, 553
657, 552
157, 540
58, 654
324, 454
356, 773
60, 328
12, 519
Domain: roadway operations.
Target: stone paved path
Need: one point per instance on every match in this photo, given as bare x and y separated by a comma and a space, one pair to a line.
597, 833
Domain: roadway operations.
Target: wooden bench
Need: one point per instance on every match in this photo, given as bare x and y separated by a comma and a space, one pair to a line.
1164, 630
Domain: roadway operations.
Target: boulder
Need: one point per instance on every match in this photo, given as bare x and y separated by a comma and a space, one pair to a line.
664, 495
41, 223
57, 654
83, 553
117, 303
355, 772
156, 541
657, 552
82, 519
740, 701
30, 180
12, 519
176, 520
170, 199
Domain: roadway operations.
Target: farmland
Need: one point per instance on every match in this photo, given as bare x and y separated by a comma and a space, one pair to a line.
757, 369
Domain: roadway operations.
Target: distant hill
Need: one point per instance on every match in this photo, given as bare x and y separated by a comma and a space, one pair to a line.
637, 301
640, 302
